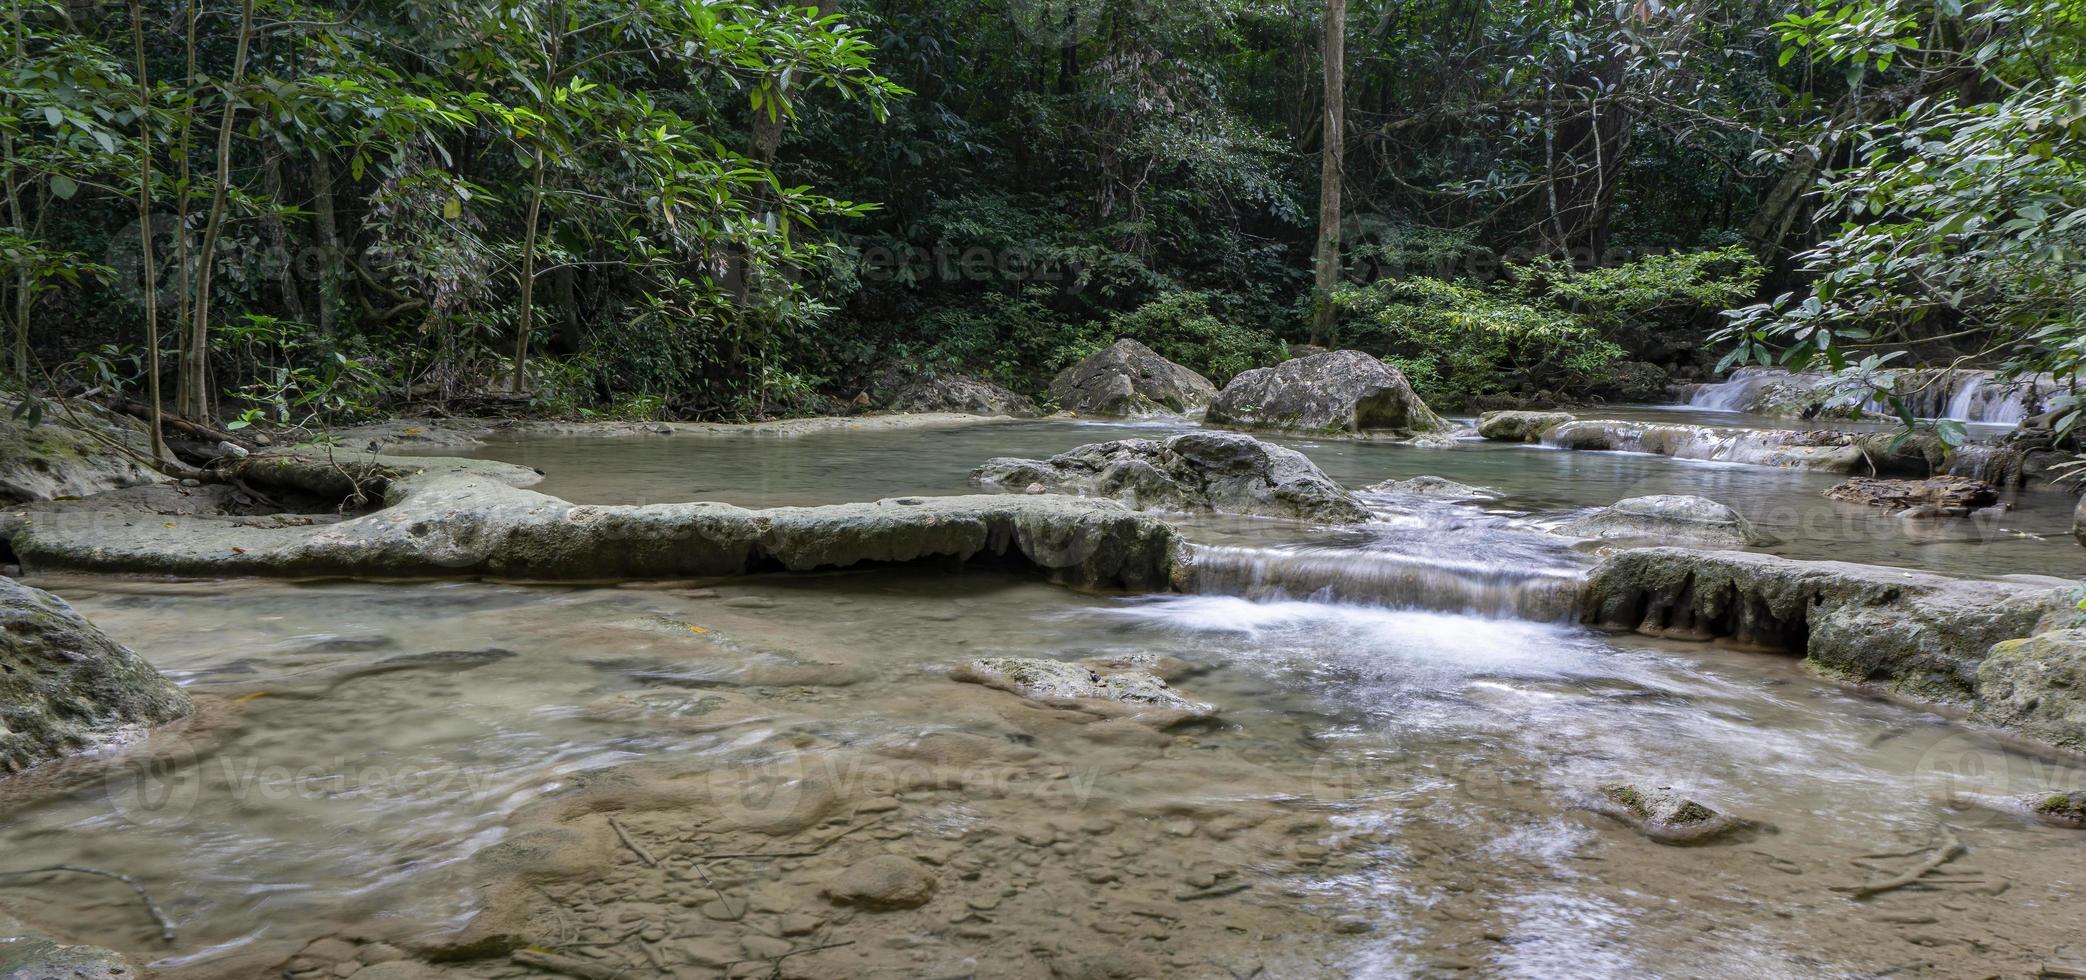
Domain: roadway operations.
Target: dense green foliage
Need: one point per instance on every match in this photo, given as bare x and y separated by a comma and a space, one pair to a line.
729, 208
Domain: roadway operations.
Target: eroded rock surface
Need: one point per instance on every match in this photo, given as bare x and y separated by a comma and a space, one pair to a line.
886, 881
1435, 488
1823, 450
1059, 682
445, 517
1130, 379
70, 455
1664, 815
1671, 519
1520, 426
968, 396
2037, 686
1940, 496
1197, 471
1917, 633
64, 686
1334, 392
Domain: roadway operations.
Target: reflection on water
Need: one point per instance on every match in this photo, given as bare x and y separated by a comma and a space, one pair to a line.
361, 741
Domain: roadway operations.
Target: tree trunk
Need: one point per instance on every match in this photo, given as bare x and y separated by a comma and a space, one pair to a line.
195, 356
1331, 170
151, 271
527, 318
333, 273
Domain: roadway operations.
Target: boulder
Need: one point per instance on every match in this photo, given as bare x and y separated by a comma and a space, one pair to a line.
1638, 382
1130, 379
2037, 686
1919, 634
1951, 496
69, 453
966, 396
1104, 687
451, 517
64, 686
1225, 472
1434, 488
1663, 815
882, 883
1336, 392
1696, 522
29, 956
1520, 426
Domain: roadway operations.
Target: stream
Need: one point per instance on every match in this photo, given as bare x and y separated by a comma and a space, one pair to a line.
1408, 723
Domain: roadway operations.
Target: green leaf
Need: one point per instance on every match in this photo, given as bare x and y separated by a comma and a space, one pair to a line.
64, 187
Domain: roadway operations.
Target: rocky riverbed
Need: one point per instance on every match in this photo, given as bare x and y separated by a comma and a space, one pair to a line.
770, 733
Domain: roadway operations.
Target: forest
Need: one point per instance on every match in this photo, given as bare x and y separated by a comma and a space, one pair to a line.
288, 213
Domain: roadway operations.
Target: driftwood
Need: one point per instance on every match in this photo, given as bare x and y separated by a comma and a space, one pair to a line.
1948, 850
166, 925
211, 434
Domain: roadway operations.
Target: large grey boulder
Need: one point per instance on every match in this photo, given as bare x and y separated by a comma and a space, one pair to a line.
1335, 392
27, 954
965, 396
1197, 471
2037, 686
1917, 633
64, 686
73, 453
1130, 379
453, 517
1696, 522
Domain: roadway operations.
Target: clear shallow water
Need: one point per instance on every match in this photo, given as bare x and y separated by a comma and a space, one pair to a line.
1546, 484
1430, 760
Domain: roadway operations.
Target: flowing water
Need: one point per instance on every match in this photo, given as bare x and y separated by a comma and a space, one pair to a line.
1407, 725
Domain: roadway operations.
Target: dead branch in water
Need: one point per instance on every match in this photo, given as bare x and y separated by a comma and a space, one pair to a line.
635, 847
1948, 850
166, 925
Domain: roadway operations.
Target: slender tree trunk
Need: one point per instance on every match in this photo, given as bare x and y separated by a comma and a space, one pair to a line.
15, 47
195, 358
1330, 174
184, 196
333, 274
151, 269
527, 320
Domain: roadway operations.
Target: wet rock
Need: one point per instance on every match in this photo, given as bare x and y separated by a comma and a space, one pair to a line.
1130, 379
1832, 452
1669, 519
1435, 488
2061, 810
38, 958
1336, 392
1198, 471
1102, 964
65, 455
1949, 496
1918, 633
2037, 686
472, 518
1520, 426
1058, 682
64, 686
1663, 815
1638, 382
882, 883
968, 396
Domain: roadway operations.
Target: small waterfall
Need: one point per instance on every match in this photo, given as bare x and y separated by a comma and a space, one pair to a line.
1738, 393
1965, 402
1390, 579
